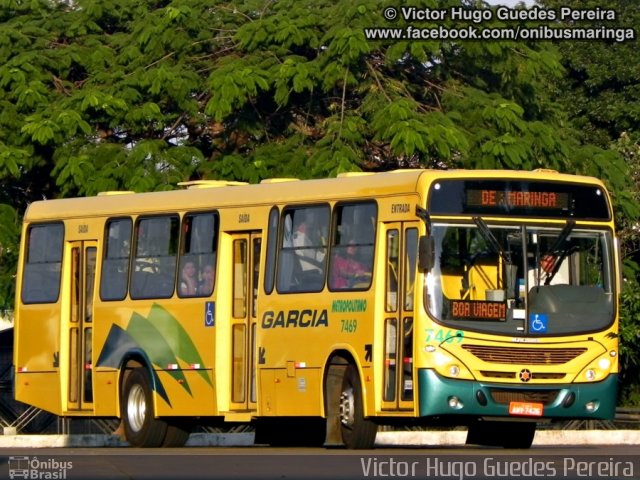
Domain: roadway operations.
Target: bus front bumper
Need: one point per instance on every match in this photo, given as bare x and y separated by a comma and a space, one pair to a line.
445, 396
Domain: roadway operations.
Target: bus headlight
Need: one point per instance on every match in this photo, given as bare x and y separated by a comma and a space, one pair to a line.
446, 364
598, 369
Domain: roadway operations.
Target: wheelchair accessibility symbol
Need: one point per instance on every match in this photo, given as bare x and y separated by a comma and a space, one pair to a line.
209, 314
538, 323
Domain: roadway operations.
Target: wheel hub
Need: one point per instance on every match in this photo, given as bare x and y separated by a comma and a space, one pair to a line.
347, 407
136, 408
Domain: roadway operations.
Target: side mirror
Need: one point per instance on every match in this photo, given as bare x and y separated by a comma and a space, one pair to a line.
426, 253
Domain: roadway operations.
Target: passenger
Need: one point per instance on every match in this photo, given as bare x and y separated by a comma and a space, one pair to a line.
346, 270
188, 280
311, 255
206, 280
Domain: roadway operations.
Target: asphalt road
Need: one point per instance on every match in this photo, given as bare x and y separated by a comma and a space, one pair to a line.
262, 463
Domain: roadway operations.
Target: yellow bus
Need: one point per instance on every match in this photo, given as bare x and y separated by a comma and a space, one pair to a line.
320, 309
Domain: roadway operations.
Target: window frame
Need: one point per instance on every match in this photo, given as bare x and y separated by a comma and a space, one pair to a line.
335, 248
26, 272
214, 254
105, 252
322, 206
135, 258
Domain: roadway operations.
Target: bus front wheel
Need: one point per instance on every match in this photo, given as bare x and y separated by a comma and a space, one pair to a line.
357, 431
140, 427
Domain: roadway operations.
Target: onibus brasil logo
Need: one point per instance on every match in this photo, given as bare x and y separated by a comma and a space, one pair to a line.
34, 468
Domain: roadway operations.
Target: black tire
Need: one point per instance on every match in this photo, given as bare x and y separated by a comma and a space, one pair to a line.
141, 429
178, 432
357, 432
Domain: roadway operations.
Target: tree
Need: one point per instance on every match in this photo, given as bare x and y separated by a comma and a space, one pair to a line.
9, 240
601, 88
139, 95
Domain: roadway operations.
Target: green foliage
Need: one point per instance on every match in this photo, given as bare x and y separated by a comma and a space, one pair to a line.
629, 230
9, 248
630, 343
601, 90
187, 89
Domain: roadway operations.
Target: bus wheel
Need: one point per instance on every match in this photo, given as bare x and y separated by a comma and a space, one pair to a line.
357, 431
178, 432
140, 427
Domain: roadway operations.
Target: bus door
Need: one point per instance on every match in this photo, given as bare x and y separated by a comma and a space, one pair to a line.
81, 278
401, 252
245, 271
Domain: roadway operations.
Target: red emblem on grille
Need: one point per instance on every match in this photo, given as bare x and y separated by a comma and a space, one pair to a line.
525, 375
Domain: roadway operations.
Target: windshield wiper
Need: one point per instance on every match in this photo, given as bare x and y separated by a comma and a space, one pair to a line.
555, 251
566, 231
491, 238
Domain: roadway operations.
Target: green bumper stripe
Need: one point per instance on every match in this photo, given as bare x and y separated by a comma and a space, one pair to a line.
435, 392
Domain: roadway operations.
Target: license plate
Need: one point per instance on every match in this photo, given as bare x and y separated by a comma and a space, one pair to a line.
526, 409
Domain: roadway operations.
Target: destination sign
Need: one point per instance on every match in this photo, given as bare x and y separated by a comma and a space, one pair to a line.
525, 198
478, 310
511, 199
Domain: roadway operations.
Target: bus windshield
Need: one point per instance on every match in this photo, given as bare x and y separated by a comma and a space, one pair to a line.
522, 279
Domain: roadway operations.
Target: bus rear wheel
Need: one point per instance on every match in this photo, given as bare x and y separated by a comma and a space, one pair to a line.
178, 432
140, 427
357, 431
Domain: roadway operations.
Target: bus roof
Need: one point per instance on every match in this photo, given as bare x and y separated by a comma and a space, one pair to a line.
268, 193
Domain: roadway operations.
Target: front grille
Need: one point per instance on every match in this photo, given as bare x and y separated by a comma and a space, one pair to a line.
534, 375
547, 376
490, 374
545, 397
524, 356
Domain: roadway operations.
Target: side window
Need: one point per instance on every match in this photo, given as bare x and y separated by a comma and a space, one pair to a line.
352, 246
198, 256
410, 262
272, 243
43, 261
115, 267
303, 251
156, 248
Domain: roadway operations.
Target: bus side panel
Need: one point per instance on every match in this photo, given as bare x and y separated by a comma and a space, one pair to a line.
299, 391
172, 340
105, 388
40, 389
187, 392
267, 401
298, 334
37, 357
